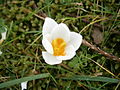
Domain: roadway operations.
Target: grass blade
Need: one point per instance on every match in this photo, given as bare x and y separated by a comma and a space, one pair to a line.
17, 81
93, 78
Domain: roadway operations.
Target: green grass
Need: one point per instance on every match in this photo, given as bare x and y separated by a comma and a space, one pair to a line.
22, 48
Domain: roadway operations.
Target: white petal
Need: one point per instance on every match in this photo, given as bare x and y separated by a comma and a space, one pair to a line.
4, 35
48, 26
48, 37
75, 40
50, 59
0, 52
70, 53
61, 31
47, 44
24, 85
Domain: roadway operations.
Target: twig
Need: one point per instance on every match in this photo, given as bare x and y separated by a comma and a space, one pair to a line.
86, 43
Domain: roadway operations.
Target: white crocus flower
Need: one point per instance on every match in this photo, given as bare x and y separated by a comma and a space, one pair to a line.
24, 85
59, 42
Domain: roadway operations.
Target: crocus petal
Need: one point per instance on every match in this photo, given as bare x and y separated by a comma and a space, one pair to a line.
50, 59
4, 34
75, 40
48, 37
24, 85
70, 53
61, 31
47, 45
0, 52
48, 26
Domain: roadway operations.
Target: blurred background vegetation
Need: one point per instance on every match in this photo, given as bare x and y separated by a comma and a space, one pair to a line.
22, 48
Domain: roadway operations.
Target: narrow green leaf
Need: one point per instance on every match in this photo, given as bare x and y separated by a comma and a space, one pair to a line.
17, 81
93, 78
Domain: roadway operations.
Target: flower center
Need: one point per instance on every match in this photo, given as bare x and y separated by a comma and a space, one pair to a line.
59, 46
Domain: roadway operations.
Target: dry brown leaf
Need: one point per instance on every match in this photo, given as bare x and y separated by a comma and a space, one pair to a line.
97, 35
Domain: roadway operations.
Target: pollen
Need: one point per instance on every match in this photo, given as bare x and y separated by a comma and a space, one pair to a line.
59, 46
